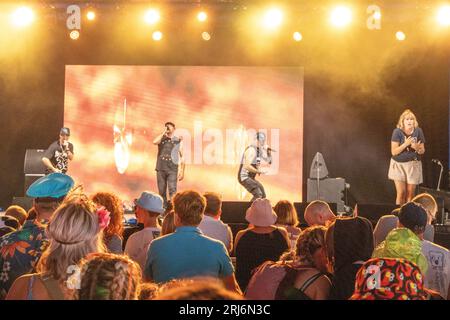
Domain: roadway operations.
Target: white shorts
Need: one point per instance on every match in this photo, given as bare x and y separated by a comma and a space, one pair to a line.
409, 172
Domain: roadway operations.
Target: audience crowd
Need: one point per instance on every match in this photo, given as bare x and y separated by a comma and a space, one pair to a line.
74, 246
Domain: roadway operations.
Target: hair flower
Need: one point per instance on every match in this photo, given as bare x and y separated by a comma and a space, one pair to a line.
104, 217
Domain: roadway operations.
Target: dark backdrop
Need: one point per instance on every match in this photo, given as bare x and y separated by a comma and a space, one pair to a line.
356, 85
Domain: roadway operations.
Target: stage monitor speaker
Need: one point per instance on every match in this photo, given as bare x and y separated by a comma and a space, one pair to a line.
329, 190
24, 202
33, 162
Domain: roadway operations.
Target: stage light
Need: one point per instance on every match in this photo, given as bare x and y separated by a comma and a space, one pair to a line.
22, 17
400, 35
206, 36
341, 16
90, 15
297, 36
157, 35
74, 34
443, 16
272, 18
152, 16
377, 15
202, 16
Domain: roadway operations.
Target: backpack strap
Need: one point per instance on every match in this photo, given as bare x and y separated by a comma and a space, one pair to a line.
310, 281
52, 287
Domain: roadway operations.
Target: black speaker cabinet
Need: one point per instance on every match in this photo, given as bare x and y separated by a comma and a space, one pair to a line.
33, 162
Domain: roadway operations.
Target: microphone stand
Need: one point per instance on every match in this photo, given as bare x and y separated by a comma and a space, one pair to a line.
318, 176
440, 176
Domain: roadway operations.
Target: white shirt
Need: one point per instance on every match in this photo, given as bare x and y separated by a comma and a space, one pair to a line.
438, 274
216, 229
138, 243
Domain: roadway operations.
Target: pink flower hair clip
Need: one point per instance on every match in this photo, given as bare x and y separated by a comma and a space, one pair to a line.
104, 217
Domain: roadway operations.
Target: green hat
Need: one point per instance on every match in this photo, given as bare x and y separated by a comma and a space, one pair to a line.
402, 243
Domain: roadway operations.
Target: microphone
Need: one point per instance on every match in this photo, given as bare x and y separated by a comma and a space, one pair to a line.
271, 150
436, 161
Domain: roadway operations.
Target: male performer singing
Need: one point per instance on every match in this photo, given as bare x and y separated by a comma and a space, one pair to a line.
170, 155
56, 157
250, 166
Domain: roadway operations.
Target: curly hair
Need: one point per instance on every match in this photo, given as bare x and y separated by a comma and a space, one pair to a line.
108, 276
113, 204
308, 242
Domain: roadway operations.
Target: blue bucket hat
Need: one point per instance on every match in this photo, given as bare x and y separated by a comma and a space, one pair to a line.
151, 201
55, 185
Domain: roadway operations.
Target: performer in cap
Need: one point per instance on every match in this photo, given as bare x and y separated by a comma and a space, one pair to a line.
56, 157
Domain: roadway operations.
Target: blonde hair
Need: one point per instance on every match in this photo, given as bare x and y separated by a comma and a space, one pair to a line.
189, 206
287, 215
168, 224
107, 276
428, 203
17, 212
403, 116
74, 232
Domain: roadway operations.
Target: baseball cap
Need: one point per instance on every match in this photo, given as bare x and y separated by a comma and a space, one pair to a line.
65, 131
413, 216
55, 185
151, 201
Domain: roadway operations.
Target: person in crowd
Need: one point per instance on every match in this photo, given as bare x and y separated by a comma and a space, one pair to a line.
260, 242
188, 252
8, 225
148, 291
198, 289
389, 279
17, 212
211, 224
74, 231
21, 250
108, 276
318, 213
305, 277
389, 222
349, 243
288, 219
168, 224
147, 208
113, 234
57, 156
434, 259
407, 148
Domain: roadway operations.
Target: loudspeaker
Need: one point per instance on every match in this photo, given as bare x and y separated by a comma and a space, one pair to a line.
33, 162
329, 190
24, 202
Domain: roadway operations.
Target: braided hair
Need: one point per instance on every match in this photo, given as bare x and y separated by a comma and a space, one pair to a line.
107, 276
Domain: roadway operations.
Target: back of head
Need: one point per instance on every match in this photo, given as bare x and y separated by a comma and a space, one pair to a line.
413, 216
17, 212
113, 204
107, 276
286, 213
310, 240
198, 289
74, 232
189, 206
314, 210
352, 240
168, 224
213, 203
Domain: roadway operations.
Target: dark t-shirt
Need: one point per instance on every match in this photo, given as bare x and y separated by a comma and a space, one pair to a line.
57, 157
168, 154
409, 153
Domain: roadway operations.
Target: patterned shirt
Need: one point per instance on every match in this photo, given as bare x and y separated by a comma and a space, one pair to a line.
20, 252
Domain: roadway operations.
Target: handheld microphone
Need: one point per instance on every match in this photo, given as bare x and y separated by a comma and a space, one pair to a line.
271, 150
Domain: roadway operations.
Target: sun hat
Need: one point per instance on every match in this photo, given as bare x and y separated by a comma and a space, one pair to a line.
261, 213
151, 201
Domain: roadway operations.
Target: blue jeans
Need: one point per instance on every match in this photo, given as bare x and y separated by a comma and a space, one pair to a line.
167, 179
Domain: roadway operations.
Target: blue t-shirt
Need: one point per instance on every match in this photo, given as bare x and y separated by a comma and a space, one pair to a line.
409, 153
187, 253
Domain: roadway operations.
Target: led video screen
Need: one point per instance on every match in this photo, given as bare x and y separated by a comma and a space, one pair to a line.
115, 112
